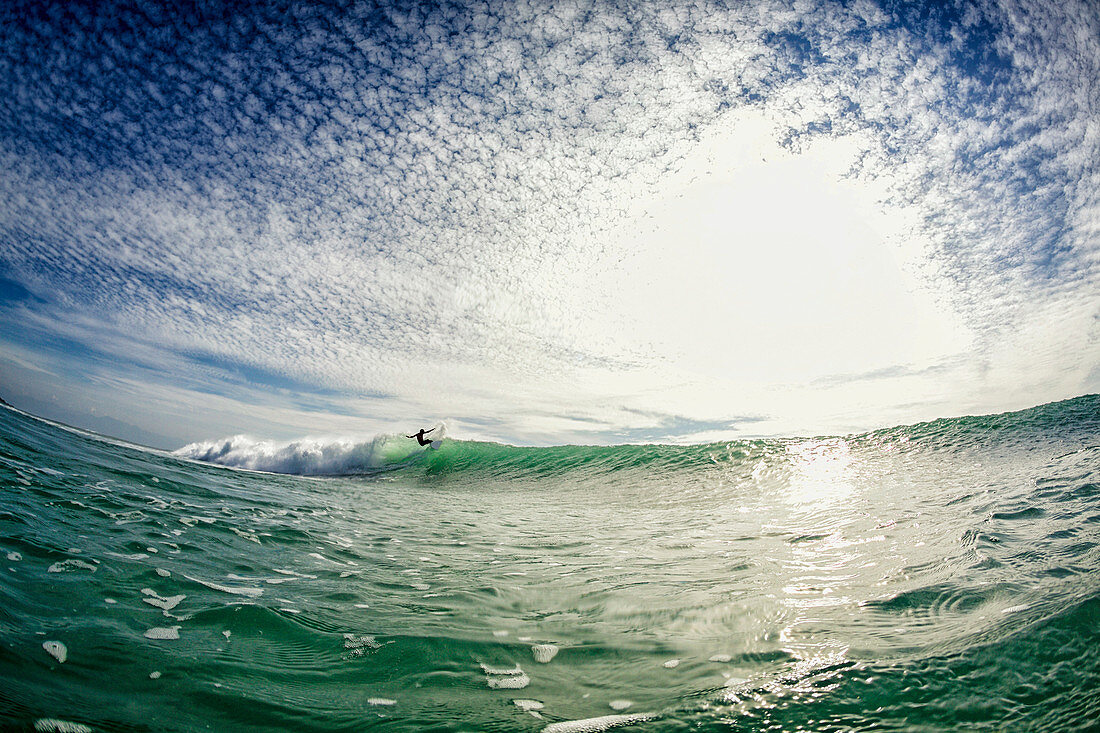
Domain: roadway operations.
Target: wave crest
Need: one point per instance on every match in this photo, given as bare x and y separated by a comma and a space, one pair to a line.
307, 456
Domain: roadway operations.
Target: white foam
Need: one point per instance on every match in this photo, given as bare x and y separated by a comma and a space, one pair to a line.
500, 670
54, 725
505, 678
14, 556
357, 643
380, 701
1016, 609
293, 573
132, 556
671, 664
250, 536
57, 650
544, 652
528, 705
511, 682
308, 456
163, 633
71, 564
163, 573
620, 704
531, 707
720, 658
160, 602
322, 558
250, 592
227, 634
154, 675
595, 725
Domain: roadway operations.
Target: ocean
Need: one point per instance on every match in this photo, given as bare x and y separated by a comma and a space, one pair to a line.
934, 577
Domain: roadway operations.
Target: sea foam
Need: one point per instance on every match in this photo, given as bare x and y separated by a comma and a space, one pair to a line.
308, 456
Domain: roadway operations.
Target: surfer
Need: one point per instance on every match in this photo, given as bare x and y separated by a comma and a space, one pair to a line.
420, 436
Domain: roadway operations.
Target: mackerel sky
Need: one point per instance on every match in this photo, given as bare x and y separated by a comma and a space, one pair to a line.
546, 222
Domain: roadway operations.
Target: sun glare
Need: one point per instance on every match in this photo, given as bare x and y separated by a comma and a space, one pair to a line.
753, 264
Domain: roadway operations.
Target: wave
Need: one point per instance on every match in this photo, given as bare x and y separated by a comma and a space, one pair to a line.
307, 456
391, 452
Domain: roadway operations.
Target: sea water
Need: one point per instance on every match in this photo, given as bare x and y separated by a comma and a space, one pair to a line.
942, 576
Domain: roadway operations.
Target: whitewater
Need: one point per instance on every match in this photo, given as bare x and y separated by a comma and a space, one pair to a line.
940, 576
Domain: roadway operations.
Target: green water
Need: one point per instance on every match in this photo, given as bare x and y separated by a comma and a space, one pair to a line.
934, 577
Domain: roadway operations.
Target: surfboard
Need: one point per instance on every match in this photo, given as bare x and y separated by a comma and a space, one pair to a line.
435, 443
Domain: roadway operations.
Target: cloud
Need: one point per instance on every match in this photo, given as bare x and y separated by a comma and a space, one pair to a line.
422, 201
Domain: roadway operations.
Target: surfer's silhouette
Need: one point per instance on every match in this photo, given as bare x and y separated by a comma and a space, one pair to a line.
420, 436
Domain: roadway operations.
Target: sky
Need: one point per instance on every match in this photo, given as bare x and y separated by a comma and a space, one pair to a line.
546, 222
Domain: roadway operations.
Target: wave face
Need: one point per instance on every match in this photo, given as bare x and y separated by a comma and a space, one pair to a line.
941, 576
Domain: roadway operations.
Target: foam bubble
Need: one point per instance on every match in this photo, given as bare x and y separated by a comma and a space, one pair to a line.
528, 705
505, 678
154, 675
294, 574
57, 650
129, 517
54, 725
322, 558
165, 603
250, 536
132, 556
671, 664
511, 682
239, 591
500, 670
531, 707
163, 633
595, 725
620, 704
544, 652
163, 573
357, 644
720, 658
65, 566
14, 556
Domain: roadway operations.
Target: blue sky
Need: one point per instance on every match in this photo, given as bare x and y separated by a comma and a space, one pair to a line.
546, 222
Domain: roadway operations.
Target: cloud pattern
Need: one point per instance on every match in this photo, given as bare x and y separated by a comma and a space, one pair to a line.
327, 193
